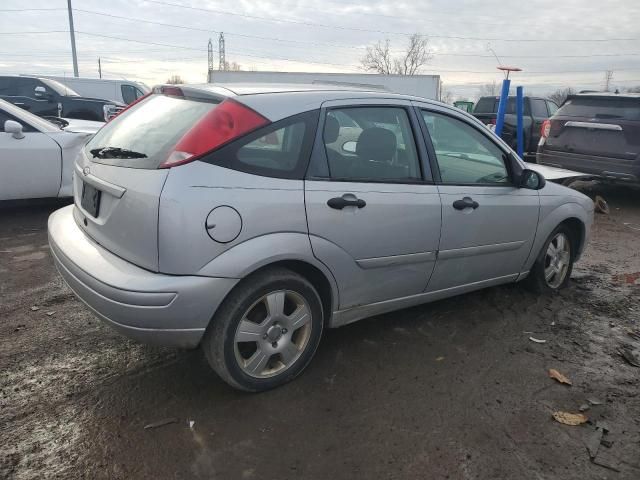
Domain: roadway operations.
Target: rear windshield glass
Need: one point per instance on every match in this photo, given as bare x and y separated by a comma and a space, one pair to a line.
601, 108
143, 136
490, 105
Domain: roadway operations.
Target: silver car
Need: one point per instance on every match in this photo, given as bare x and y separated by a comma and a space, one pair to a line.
247, 219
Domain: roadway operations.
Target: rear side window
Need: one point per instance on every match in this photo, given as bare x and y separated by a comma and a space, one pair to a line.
490, 105
280, 150
144, 136
370, 144
603, 108
539, 108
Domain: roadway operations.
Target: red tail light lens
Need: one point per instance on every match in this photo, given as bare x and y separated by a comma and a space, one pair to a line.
545, 129
226, 122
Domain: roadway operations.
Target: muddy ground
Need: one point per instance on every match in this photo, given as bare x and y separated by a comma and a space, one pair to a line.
450, 390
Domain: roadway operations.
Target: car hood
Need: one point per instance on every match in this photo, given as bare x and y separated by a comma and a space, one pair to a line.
555, 174
82, 126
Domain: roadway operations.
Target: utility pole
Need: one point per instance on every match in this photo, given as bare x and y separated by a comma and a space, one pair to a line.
608, 76
73, 40
222, 64
99, 68
210, 61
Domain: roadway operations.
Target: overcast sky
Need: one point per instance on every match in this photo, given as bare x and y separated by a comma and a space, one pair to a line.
556, 42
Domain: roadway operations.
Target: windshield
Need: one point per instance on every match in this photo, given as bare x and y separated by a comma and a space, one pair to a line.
601, 108
59, 88
144, 135
490, 105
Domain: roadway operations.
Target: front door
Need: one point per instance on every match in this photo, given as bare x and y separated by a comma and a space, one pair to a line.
373, 214
31, 166
488, 224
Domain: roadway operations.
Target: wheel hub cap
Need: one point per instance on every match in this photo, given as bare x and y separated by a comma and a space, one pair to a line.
274, 333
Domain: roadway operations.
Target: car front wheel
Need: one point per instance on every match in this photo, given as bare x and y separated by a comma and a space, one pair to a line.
553, 267
266, 331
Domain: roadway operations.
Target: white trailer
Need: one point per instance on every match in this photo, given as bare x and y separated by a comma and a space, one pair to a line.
427, 86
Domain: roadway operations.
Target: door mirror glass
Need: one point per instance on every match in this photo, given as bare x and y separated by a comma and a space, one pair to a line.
14, 128
532, 180
40, 92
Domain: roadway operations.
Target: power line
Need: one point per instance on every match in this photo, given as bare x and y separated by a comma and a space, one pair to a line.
341, 27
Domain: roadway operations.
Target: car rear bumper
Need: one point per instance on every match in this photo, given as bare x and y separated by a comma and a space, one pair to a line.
148, 307
618, 169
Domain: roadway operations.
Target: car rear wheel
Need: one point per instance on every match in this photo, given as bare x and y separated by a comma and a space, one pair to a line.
266, 331
553, 267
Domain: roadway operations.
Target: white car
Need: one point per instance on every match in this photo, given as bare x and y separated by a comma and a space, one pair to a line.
37, 156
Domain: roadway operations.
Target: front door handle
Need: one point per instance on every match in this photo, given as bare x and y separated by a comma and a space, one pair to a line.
466, 202
340, 202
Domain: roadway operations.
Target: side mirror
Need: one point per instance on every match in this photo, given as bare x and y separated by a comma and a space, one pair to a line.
14, 128
40, 92
532, 180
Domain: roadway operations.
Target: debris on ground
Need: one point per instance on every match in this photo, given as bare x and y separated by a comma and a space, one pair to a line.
556, 375
593, 442
35, 308
161, 423
537, 340
594, 401
584, 407
439, 359
50, 314
627, 278
601, 205
607, 460
191, 423
631, 355
567, 418
632, 226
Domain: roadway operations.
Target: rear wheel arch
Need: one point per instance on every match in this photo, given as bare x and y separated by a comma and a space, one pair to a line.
313, 275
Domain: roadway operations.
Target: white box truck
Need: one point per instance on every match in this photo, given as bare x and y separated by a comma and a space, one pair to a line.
427, 86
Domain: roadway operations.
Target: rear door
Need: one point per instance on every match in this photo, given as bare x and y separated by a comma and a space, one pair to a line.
373, 211
488, 225
30, 167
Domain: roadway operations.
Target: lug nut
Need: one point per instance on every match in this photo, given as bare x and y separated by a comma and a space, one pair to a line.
284, 330
274, 344
264, 337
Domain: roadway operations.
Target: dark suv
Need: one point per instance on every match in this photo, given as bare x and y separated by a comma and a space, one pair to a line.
597, 133
49, 98
536, 111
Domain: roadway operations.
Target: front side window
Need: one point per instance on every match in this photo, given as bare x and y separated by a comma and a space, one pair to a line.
370, 143
128, 93
464, 154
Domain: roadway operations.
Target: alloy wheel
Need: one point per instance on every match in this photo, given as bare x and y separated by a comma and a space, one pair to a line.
557, 260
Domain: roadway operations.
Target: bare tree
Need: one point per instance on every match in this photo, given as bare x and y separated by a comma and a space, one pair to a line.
560, 95
174, 79
233, 66
446, 95
379, 59
608, 76
488, 89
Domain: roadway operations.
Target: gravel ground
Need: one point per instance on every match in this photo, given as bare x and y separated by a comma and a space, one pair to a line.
449, 390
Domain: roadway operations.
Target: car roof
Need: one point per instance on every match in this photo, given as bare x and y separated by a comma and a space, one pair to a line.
276, 101
605, 95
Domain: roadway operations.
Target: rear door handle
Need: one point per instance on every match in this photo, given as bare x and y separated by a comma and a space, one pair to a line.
344, 201
466, 202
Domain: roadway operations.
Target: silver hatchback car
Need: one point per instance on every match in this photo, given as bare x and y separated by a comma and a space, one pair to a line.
247, 219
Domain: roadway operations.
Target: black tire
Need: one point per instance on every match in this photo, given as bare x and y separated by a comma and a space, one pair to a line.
219, 340
536, 280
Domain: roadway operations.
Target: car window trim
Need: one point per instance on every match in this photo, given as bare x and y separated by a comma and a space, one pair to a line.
320, 160
432, 152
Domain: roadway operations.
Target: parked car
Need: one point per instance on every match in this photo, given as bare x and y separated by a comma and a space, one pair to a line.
121, 91
536, 111
47, 98
37, 156
596, 133
234, 219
